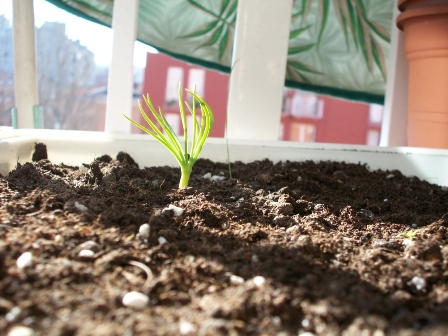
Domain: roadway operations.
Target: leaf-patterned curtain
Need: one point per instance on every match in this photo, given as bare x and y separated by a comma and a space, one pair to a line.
336, 47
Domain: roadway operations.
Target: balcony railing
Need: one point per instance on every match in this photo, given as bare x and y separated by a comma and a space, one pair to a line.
257, 79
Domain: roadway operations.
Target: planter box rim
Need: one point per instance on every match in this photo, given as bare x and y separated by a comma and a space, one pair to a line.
77, 147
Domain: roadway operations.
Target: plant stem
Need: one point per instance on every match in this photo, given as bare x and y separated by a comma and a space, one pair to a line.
185, 175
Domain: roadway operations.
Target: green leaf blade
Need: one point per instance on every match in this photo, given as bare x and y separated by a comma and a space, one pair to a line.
294, 33
214, 38
223, 44
300, 49
203, 31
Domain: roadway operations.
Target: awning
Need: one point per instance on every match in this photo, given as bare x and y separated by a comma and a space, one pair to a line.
336, 47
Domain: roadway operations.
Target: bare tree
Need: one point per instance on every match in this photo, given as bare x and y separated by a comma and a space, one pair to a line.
66, 73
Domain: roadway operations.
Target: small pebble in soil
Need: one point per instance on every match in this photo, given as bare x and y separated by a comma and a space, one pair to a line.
305, 323
390, 176
419, 283
89, 245
365, 214
214, 178
135, 300
80, 207
162, 240
283, 221
25, 260
407, 242
187, 328
144, 230
259, 281
217, 178
177, 212
277, 321
58, 239
21, 331
13, 314
236, 280
86, 254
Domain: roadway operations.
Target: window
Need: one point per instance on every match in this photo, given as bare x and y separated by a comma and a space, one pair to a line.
303, 132
174, 76
375, 114
306, 105
373, 138
196, 77
190, 124
6, 68
173, 120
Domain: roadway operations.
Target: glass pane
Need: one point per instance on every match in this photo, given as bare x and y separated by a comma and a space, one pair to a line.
73, 56
6, 65
175, 76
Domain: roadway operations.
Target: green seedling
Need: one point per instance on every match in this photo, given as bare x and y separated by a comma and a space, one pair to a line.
409, 234
187, 154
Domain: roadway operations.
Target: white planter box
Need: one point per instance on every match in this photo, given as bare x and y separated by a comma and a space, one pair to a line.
75, 147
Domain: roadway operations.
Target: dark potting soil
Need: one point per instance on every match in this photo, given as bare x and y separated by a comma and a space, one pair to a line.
290, 248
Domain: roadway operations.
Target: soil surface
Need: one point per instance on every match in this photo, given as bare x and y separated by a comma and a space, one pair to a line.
293, 248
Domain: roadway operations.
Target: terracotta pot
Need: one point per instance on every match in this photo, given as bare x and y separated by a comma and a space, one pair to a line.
426, 46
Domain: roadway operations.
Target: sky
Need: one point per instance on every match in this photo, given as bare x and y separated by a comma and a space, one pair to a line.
95, 37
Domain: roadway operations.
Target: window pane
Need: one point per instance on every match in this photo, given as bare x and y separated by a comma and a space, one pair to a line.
6, 65
373, 138
376, 113
174, 121
303, 132
175, 76
196, 77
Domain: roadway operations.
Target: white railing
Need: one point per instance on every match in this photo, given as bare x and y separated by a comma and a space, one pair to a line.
120, 83
25, 75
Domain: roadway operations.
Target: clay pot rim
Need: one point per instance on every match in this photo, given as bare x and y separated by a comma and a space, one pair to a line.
402, 4
422, 11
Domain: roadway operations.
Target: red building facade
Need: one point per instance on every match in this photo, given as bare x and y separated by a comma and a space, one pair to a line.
306, 117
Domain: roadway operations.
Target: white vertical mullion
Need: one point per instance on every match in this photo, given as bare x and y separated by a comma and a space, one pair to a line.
258, 76
25, 73
395, 116
121, 72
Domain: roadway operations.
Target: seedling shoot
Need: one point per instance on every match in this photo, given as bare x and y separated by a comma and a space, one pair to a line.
186, 154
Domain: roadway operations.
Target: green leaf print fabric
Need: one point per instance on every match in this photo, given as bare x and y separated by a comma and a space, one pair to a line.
336, 47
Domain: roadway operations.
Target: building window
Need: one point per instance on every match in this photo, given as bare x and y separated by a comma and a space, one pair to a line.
196, 77
174, 121
306, 105
190, 124
174, 77
373, 137
302, 132
375, 114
